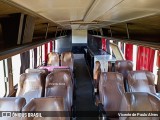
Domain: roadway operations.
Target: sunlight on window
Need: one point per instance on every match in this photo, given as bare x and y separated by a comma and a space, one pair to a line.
134, 56
38, 56
16, 64
2, 84
49, 47
43, 53
31, 58
155, 68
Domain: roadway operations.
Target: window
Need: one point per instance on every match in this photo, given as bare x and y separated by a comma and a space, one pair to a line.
38, 56
134, 56
2, 83
116, 51
49, 47
31, 58
16, 64
155, 68
43, 53
119, 45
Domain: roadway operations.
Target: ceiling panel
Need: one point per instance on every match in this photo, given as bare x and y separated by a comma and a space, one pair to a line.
7, 9
99, 8
131, 9
58, 10
141, 4
119, 15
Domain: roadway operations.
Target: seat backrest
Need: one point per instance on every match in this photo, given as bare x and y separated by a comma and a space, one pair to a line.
123, 66
140, 102
43, 71
96, 72
141, 81
59, 83
30, 86
67, 59
52, 108
11, 105
53, 59
111, 90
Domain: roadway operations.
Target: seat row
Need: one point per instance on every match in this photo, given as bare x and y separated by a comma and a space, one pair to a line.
65, 59
38, 87
134, 81
50, 108
113, 95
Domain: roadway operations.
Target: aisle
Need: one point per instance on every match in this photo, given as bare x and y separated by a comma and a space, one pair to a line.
84, 102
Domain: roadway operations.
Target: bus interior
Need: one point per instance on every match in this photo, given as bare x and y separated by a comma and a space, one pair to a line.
80, 59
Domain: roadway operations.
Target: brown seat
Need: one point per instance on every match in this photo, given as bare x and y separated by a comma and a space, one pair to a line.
140, 101
52, 108
53, 59
141, 81
96, 75
11, 104
43, 71
109, 66
111, 90
59, 83
124, 66
67, 59
30, 86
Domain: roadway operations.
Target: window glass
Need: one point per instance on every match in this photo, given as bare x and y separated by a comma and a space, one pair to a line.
38, 56
134, 56
119, 45
49, 47
117, 52
2, 84
31, 58
155, 68
43, 53
16, 64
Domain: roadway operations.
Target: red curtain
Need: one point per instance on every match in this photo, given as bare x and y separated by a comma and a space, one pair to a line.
158, 59
145, 58
46, 52
104, 44
129, 52
51, 46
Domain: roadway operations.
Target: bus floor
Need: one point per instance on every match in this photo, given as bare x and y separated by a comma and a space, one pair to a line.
85, 107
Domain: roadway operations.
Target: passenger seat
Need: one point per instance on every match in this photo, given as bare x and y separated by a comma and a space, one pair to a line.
140, 102
11, 104
30, 86
51, 108
124, 66
111, 90
141, 81
67, 59
59, 83
53, 59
